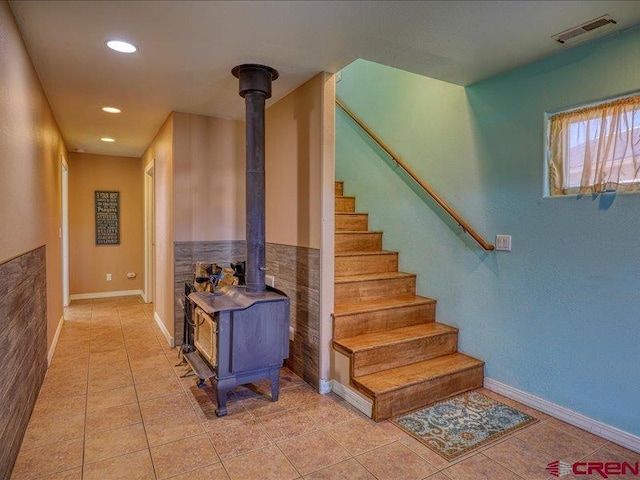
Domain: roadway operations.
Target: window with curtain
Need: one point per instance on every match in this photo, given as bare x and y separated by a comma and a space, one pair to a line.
595, 149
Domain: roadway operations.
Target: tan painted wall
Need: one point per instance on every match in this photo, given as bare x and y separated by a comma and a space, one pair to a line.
161, 150
293, 166
31, 148
209, 164
89, 263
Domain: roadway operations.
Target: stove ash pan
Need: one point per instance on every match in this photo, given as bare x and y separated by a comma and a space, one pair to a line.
250, 338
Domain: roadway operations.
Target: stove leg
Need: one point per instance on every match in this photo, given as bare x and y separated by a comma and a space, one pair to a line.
274, 378
222, 388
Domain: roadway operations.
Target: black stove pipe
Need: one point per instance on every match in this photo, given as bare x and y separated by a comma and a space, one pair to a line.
255, 88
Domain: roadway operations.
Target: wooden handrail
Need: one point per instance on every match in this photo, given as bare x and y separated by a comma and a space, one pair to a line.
459, 220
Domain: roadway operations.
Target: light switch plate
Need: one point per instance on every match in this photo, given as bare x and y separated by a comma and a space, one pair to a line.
503, 243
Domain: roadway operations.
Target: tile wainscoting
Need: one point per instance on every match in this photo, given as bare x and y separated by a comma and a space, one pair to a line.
297, 274
23, 341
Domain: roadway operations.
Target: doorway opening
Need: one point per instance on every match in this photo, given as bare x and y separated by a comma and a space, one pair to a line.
149, 234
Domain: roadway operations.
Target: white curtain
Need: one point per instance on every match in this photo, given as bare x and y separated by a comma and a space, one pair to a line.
596, 149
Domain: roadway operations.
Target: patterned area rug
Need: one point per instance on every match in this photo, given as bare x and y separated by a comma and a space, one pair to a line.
460, 424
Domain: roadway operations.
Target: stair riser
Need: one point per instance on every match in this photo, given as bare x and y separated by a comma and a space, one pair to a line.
339, 189
356, 291
360, 323
422, 394
358, 242
345, 205
405, 353
357, 222
364, 264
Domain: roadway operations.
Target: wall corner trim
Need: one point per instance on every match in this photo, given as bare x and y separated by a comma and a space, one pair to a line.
54, 343
118, 293
165, 332
576, 419
326, 386
352, 397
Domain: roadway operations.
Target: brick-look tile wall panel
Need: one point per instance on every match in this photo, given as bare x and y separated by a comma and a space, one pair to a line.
23, 348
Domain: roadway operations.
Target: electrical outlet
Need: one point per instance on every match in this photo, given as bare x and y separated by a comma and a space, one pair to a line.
503, 243
338, 76
108, 277
270, 280
292, 333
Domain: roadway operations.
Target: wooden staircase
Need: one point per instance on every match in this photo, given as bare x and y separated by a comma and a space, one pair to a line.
399, 357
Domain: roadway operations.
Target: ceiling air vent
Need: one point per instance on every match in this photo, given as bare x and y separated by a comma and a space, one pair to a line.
590, 29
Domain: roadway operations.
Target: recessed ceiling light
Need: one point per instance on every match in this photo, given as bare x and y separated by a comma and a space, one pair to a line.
108, 139
111, 110
120, 46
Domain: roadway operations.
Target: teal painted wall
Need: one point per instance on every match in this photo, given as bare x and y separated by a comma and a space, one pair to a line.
559, 316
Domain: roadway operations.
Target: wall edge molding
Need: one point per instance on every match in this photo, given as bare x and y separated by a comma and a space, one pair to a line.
118, 293
165, 332
325, 386
608, 432
54, 343
352, 397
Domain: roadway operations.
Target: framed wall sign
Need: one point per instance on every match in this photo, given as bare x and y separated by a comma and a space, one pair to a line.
107, 218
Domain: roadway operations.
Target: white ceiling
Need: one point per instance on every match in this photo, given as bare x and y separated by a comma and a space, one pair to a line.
187, 49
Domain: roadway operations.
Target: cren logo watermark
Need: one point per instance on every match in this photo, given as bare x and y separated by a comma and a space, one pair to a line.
604, 469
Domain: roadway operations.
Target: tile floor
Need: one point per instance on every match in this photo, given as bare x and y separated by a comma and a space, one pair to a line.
113, 405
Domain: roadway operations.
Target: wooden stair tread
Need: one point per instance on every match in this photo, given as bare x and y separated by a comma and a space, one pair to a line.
373, 276
370, 341
358, 232
364, 252
377, 304
396, 378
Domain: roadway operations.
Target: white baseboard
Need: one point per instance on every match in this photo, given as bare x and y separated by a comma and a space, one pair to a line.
326, 386
352, 397
119, 293
603, 430
54, 343
165, 332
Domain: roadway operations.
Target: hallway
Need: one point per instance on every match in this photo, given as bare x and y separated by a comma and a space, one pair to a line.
113, 406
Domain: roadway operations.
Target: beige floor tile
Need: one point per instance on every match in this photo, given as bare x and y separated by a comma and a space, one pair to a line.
558, 443
157, 361
111, 398
62, 406
152, 374
53, 429
212, 472
112, 417
284, 425
40, 461
73, 474
438, 476
235, 439
164, 406
426, 453
266, 464
182, 456
132, 466
479, 467
115, 442
522, 458
360, 435
111, 367
576, 432
347, 470
621, 452
394, 461
159, 388
312, 452
174, 427
69, 388
326, 415
109, 381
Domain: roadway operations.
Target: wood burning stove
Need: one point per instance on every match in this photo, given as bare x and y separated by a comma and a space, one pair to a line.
242, 332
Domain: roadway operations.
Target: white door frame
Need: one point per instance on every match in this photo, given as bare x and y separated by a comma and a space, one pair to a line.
64, 231
149, 232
